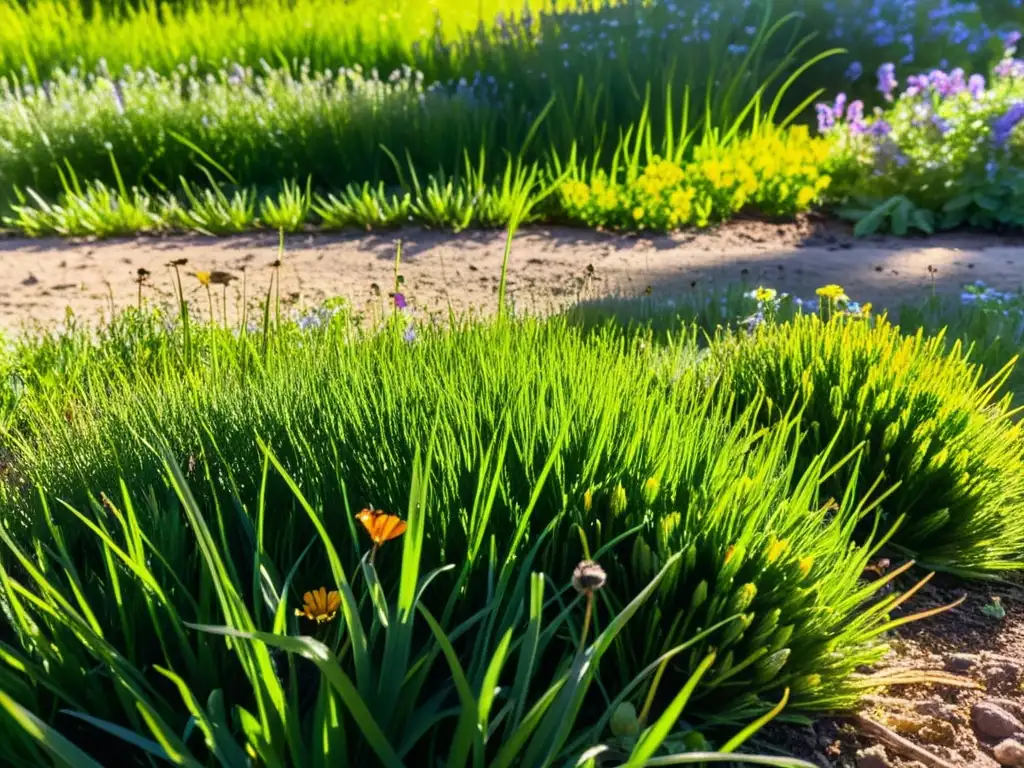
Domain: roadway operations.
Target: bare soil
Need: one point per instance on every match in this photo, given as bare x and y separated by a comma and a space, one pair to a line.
549, 268
984, 659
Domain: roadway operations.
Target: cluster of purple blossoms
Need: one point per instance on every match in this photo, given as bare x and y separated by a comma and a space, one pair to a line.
831, 114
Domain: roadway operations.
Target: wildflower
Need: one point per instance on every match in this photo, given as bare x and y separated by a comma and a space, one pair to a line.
1010, 42
804, 565
400, 302
320, 605
765, 294
854, 71
588, 577
839, 106
1003, 127
832, 292
887, 81
976, 86
855, 116
826, 117
203, 277
588, 500
381, 526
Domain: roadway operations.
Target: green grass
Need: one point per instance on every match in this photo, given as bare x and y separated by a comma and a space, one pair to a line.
532, 101
172, 487
543, 455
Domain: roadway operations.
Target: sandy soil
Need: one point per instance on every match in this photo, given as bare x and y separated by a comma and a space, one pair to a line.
39, 279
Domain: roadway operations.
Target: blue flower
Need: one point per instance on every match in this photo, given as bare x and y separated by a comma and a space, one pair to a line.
854, 71
1004, 126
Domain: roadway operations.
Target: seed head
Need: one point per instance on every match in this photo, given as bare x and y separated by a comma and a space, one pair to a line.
217, 277
588, 576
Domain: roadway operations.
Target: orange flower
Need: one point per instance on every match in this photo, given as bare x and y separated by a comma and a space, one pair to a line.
380, 525
319, 605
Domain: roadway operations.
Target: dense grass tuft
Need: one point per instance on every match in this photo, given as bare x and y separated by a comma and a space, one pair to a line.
932, 429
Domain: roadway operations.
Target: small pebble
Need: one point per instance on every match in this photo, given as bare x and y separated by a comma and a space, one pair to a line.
995, 722
1010, 753
873, 757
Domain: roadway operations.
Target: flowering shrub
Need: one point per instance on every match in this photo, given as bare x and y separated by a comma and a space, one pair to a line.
949, 149
773, 172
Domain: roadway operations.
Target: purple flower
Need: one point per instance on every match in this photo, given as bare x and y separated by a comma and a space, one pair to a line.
941, 124
1003, 126
1010, 41
1010, 68
880, 128
855, 116
916, 84
410, 334
887, 81
400, 302
854, 71
976, 86
826, 117
839, 106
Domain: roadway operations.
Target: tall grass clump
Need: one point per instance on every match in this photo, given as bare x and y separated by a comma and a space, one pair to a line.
365, 674
549, 447
937, 434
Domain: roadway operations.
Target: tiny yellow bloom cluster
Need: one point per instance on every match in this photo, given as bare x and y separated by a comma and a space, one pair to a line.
775, 172
832, 293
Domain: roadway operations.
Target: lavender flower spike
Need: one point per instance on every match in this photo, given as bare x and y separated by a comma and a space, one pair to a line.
887, 81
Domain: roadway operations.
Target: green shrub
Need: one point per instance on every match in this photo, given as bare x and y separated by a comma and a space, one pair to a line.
939, 437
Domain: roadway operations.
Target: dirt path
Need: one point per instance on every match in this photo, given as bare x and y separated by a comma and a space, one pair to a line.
39, 279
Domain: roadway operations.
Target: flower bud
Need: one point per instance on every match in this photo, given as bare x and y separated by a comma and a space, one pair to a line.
625, 721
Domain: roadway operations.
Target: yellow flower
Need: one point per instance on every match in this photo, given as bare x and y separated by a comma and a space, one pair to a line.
805, 196
588, 500
865, 309
203, 277
765, 294
833, 292
805, 565
319, 605
638, 213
